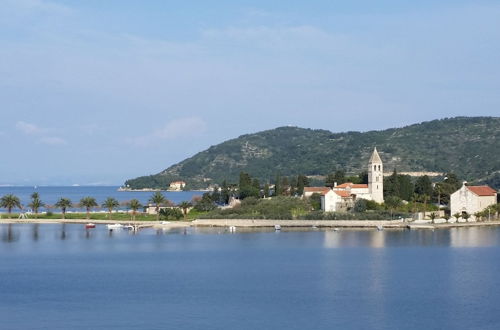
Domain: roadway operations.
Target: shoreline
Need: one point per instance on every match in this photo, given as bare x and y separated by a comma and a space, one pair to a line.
261, 223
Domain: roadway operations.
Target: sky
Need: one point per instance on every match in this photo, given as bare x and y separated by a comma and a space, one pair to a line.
97, 92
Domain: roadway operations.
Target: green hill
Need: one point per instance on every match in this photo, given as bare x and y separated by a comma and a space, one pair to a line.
467, 146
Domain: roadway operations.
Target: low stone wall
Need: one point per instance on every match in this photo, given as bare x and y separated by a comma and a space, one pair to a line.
297, 223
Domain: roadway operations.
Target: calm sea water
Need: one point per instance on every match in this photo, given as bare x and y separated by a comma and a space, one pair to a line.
64, 277
50, 195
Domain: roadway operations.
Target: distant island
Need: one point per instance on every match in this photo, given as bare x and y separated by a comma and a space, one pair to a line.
466, 146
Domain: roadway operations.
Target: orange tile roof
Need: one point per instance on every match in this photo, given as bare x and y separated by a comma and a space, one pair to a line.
342, 193
316, 189
352, 185
482, 190
359, 186
345, 185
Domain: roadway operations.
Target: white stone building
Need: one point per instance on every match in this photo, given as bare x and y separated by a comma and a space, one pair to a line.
343, 196
177, 185
472, 199
336, 200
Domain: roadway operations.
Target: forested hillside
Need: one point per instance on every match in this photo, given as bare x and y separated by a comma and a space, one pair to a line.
467, 146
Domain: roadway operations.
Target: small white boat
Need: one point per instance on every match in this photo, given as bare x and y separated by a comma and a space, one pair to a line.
129, 227
380, 228
335, 229
232, 229
277, 227
114, 226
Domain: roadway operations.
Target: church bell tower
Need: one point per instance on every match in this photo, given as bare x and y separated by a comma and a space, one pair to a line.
376, 177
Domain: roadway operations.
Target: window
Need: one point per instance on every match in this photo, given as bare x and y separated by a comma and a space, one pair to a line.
374, 167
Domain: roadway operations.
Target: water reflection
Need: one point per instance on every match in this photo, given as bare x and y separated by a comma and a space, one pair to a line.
36, 229
455, 237
473, 237
63, 234
10, 235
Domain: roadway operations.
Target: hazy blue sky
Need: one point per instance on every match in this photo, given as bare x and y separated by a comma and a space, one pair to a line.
100, 91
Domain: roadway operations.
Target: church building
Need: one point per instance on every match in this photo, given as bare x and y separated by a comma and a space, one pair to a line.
341, 197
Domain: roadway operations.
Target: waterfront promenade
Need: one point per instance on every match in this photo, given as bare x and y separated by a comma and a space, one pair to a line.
266, 223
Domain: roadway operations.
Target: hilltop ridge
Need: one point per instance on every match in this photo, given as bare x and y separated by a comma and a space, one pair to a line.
467, 146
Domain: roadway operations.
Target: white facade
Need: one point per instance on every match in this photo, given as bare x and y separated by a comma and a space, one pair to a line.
343, 196
376, 177
177, 185
472, 199
334, 201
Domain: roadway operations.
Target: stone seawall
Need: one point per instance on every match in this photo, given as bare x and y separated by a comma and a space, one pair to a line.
298, 223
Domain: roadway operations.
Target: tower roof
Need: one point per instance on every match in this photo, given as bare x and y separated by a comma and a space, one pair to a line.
375, 158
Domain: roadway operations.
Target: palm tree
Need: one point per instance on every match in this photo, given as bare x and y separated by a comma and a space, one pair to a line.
63, 204
157, 199
433, 216
425, 198
185, 206
9, 202
392, 203
88, 203
134, 205
456, 216
36, 203
110, 203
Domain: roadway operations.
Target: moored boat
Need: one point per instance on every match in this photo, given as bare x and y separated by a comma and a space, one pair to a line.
89, 225
114, 226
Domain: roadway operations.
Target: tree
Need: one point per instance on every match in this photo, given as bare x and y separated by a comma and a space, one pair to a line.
185, 207
423, 186
330, 180
446, 217
9, 202
36, 203
456, 216
225, 193
266, 190
64, 204
110, 203
445, 188
157, 199
433, 216
478, 216
302, 181
360, 205
88, 202
205, 204
246, 187
391, 185
315, 201
285, 186
278, 189
134, 205
339, 176
392, 203
466, 216
363, 177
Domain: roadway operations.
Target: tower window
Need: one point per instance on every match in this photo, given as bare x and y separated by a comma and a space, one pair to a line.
379, 167
374, 167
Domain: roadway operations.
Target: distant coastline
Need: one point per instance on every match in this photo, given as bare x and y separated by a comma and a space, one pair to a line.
158, 189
